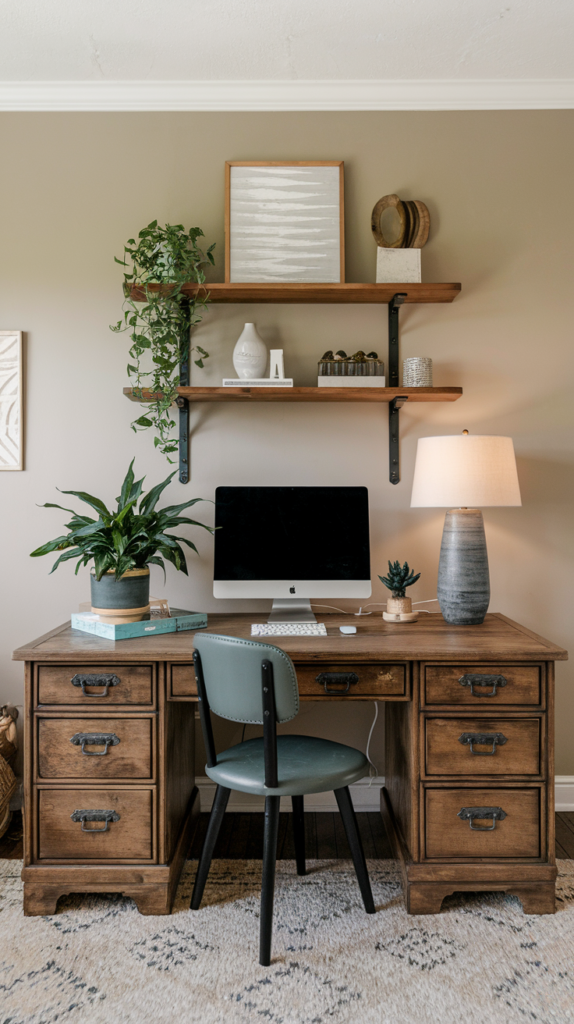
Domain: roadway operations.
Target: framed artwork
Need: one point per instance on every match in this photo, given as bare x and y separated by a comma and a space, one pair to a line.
284, 222
11, 447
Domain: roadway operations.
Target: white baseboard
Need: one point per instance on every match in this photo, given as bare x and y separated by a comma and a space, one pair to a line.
365, 798
365, 794
564, 790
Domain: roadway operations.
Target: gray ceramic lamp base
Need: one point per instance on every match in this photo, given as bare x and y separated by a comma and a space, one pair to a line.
463, 589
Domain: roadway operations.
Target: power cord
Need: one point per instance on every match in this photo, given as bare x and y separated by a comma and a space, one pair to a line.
371, 604
372, 765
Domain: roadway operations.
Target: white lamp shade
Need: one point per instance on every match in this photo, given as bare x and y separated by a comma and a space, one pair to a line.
465, 471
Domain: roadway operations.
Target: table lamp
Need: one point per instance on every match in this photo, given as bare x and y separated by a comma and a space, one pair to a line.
464, 471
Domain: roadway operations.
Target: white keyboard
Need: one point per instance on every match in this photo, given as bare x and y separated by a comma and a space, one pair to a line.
289, 629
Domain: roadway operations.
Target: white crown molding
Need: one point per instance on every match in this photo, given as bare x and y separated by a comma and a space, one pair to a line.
353, 94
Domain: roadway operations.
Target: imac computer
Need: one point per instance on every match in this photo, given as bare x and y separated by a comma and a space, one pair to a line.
292, 544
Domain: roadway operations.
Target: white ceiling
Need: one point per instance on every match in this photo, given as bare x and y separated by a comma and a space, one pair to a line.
459, 43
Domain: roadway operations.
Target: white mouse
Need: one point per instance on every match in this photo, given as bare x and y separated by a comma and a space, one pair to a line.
348, 629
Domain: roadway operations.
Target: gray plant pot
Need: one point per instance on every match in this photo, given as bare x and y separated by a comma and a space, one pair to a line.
463, 588
123, 600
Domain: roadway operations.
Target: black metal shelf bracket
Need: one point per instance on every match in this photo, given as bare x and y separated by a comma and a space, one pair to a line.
183, 403
393, 382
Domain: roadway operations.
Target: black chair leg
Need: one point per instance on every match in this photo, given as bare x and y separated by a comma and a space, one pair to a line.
350, 822
217, 811
299, 832
268, 886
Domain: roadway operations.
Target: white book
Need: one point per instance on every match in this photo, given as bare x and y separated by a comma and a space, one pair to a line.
257, 382
351, 382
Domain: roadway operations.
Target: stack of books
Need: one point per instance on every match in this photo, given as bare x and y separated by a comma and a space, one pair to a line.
177, 620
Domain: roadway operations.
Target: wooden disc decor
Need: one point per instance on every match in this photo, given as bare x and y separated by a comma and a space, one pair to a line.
414, 223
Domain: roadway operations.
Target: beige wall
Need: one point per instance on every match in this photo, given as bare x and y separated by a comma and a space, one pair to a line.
498, 186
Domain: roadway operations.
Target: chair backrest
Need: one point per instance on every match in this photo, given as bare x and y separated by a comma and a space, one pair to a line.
232, 675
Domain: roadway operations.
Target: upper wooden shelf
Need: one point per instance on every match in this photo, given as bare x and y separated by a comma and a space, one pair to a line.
335, 394
300, 293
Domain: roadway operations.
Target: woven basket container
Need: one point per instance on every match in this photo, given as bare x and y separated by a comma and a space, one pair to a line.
417, 372
7, 787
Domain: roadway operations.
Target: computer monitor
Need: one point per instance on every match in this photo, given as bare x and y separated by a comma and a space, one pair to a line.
292, 544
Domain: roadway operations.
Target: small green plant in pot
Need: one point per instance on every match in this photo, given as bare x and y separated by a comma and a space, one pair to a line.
122, 544
398, 579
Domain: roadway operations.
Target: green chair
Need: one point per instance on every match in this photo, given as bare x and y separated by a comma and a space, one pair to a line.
255, 683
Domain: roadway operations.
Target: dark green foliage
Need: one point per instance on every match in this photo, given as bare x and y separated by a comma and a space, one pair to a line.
160, 327
399, 578
127, 538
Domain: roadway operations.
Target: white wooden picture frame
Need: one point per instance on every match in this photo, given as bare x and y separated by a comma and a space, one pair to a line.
11, 401
284, 222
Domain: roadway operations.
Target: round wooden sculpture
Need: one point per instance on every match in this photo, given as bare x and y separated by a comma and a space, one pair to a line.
412, 220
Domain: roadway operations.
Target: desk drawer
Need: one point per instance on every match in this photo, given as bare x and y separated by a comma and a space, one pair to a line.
482, 685
114, 748
181, 679
337, 680
483, 746
95, 685
127, 836
515, 834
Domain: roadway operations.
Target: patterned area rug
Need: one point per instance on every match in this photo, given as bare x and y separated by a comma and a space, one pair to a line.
99, 961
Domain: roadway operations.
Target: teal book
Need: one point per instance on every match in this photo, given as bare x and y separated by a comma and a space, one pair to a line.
178, 621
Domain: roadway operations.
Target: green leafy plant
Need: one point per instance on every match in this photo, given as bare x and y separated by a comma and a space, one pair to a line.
130, 538
160, 318
399, 578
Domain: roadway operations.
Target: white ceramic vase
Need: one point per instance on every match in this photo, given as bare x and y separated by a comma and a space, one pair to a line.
249, 354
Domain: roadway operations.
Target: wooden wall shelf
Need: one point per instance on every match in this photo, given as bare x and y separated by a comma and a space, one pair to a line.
313, 293
391, 295
329, 395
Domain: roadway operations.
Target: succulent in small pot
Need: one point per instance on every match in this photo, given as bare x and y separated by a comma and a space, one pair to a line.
122, 545
398, 579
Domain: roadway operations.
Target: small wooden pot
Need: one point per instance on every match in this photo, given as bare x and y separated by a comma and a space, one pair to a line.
123, 600
399, 606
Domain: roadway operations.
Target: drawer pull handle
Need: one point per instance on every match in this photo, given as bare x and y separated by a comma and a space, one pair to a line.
105, 679
473, 679
84, 816
95, 739
345, 679
482, 739
470, 814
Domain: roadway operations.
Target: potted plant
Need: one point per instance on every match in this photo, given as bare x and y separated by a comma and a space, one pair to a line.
122, 545
159, 316
399, 578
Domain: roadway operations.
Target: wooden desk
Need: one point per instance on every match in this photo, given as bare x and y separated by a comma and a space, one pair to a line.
145, 781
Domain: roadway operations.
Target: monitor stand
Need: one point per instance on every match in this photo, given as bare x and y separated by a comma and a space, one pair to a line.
291, 609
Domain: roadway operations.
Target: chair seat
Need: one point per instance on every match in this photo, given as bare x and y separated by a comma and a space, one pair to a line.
305, 764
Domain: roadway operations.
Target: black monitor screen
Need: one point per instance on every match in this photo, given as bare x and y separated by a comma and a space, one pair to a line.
299, 533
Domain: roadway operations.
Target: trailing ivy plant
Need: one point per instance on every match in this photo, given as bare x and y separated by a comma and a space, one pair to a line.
160, 319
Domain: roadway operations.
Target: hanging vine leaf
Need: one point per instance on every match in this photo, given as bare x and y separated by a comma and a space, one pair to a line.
160, 325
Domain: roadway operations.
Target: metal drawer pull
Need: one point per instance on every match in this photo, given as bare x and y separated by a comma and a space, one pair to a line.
345, 679
470, 813
482, 738
473, 679
105, 679
84, 816
95, 739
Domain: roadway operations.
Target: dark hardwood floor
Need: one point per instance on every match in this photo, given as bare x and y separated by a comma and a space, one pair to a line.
241, 837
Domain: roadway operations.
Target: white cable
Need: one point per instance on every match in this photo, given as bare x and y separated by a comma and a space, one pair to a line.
431, 601
372, 764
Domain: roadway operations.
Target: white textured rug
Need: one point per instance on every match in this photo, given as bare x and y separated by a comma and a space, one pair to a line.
481, 961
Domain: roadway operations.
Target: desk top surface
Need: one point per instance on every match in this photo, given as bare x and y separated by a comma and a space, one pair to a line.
430, 638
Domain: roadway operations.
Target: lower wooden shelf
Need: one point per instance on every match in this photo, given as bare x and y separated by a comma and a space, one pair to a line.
273, 394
